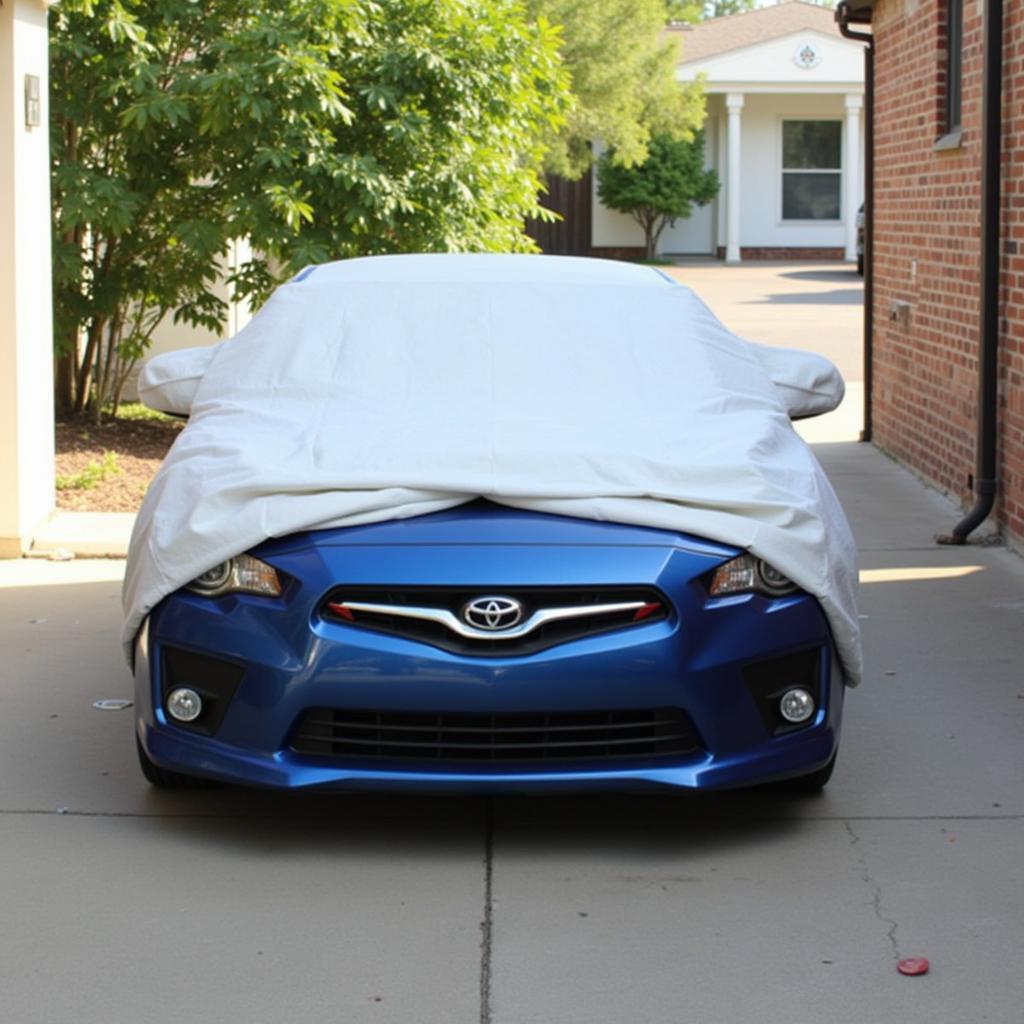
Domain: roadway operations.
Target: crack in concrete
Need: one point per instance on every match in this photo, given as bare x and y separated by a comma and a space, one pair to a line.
876, 892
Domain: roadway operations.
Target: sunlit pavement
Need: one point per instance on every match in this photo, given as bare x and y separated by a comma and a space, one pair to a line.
814, 306
122, 904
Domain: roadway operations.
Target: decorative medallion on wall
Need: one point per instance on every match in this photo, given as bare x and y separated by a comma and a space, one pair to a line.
807, 56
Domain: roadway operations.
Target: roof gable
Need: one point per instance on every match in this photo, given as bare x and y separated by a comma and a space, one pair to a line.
739, 31
799, 61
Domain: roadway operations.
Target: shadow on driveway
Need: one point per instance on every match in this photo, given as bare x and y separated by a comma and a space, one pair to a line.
631, 824
836, 297
844, 276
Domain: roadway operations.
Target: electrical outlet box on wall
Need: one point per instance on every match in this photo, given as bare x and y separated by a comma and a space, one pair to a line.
899, 312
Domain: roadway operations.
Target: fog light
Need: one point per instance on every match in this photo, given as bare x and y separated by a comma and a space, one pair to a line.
186, 705
796, 706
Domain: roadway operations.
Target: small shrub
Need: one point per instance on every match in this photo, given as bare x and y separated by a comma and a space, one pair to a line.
92, 476
136, 411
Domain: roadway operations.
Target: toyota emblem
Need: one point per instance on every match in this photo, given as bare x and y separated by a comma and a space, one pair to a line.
493, 613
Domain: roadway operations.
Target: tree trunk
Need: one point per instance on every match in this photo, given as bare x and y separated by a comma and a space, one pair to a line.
650, 238
83, 375
105, 363
660, 224
91, 356
65, 364
65, 393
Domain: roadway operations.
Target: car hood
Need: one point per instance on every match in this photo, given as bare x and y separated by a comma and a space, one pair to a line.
485, 523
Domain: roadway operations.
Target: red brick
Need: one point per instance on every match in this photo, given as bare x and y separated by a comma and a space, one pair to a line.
928, 209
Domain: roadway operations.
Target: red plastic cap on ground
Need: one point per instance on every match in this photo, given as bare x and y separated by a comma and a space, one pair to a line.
911, 965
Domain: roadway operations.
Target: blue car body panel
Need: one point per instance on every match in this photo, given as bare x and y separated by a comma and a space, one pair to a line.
291, 657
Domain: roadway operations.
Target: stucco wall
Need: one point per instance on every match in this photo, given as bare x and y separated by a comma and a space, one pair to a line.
761, 143
26, 332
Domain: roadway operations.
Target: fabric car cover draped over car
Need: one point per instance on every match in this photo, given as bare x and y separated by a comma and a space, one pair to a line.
389, 387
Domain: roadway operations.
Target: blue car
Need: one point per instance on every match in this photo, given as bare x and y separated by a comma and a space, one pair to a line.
487, 647
443, 641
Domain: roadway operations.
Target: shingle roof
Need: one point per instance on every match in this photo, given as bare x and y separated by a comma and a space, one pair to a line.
734, 31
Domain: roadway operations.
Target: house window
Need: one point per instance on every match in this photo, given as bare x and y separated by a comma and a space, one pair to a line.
811, 170
954, 63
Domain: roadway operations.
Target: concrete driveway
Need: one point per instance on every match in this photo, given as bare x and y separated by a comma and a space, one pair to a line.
122, 904
813, 306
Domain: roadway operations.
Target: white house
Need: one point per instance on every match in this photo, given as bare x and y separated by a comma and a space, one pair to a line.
784, 130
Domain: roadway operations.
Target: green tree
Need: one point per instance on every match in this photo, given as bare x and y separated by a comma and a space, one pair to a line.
692, 11
661, 190
318, 129
720, 8
623, 81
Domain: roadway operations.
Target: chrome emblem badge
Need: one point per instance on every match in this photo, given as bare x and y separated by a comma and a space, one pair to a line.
493, 613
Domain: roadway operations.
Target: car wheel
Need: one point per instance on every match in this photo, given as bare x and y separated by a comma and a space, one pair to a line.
163, 778
813, 782
860, 265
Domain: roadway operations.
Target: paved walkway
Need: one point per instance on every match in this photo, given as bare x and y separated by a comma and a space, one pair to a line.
813, 306
86, 534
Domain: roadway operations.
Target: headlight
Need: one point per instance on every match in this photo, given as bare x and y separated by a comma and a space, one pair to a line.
747, 573
241, 575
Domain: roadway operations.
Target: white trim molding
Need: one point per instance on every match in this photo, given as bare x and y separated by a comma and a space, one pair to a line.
734, 107
851, 169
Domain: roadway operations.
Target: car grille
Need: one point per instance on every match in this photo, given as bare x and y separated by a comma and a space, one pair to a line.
644, 735
532, 599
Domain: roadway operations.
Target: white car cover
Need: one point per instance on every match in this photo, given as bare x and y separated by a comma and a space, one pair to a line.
389, 387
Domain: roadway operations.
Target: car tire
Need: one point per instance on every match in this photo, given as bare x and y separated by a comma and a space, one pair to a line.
163, 778
813, 782
860, 265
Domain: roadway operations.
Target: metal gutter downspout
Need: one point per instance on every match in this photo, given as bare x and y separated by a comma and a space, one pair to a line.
843, 21
986, 482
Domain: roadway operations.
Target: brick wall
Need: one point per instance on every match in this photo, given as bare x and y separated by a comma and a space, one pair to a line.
777, 252
927, 251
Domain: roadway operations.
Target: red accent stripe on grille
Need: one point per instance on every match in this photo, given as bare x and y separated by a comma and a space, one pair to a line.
646, 610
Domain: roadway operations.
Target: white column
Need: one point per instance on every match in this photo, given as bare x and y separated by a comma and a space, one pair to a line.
26, 333
722, 164
851, 171
734, 105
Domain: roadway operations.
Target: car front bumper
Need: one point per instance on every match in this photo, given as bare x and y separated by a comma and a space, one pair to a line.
289, 659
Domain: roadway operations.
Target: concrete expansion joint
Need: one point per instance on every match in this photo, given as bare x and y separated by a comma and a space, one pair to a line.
876, 891
487, 920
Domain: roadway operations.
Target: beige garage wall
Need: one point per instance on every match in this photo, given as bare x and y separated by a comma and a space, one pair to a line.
26, 319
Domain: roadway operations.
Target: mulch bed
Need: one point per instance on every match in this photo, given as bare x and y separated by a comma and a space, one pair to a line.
139, 447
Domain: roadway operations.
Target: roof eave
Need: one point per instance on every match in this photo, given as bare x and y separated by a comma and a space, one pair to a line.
858, 12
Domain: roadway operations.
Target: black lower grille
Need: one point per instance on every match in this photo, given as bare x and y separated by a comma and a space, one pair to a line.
504, 737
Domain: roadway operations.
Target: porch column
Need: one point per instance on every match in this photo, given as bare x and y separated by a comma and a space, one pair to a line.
734, 105
26, 333
854, 102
